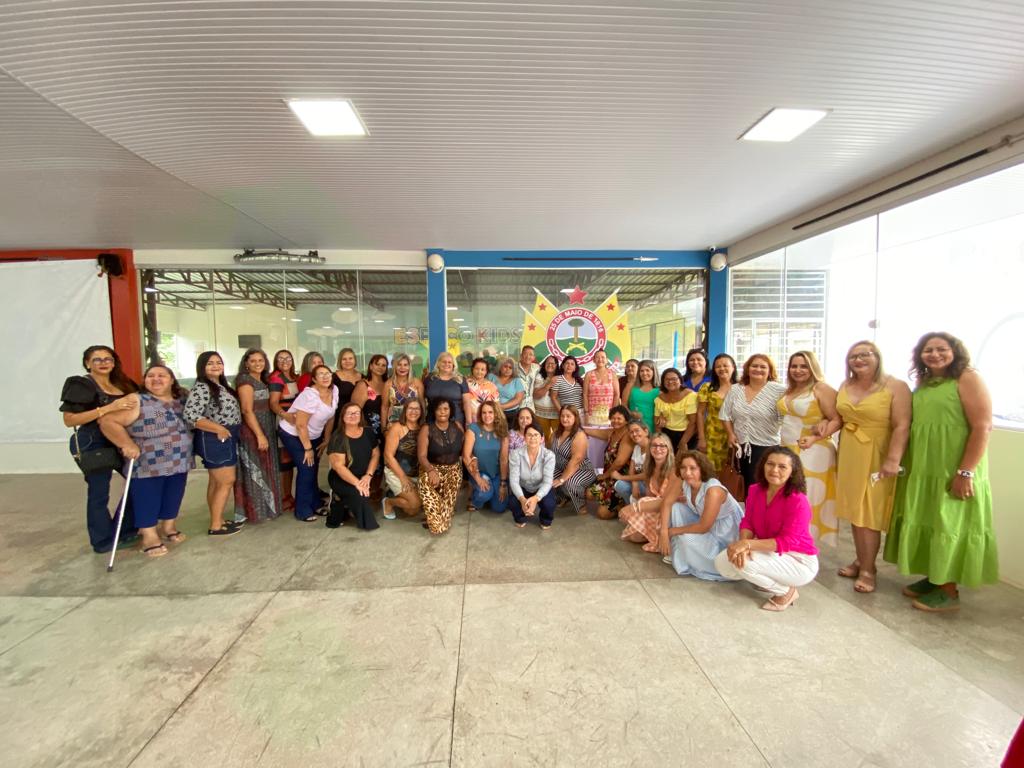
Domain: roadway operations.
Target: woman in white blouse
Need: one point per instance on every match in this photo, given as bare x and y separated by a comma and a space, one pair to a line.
306, 439
531, 472
750, 413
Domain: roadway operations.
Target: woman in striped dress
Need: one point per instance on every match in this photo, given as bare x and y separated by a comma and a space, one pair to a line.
568, 386
573, 471
750, 413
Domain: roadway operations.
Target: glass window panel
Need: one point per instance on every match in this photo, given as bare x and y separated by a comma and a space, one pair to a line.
652, 313
756, 302
178, 319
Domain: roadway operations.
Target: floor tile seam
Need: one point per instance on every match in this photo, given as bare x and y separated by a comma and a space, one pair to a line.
913, 644
458, 655
203, 679
48, 624
705, 674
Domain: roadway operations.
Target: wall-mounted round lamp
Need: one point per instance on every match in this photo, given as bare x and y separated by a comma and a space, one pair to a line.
718, 261
435, 262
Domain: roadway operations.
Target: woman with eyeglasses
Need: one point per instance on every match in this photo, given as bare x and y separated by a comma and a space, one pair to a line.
531, 475
284, 388
213, 411
84, 400
642, 516
875, 411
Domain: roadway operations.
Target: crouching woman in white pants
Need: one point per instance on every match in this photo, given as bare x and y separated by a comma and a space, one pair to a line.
775, 551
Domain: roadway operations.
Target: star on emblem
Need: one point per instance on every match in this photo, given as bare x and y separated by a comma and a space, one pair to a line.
576, 296
621, 327
611, 307
532, 327
542, 307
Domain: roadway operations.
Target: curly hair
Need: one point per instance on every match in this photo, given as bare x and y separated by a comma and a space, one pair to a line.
796, 482
707, 469
961, 357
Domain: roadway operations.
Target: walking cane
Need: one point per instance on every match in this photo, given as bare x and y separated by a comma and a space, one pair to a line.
120, 514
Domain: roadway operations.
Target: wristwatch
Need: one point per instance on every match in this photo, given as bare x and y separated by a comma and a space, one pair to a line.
965, 473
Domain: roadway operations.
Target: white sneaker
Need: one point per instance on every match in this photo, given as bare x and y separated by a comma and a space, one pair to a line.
384, 510
667, 559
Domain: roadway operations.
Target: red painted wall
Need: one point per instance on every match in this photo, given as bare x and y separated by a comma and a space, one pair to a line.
124, 299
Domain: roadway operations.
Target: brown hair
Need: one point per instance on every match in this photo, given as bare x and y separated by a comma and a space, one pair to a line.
669, 464
576, 427
961, 357
500, 422
423, 413
796, 482
772, 375
707, 469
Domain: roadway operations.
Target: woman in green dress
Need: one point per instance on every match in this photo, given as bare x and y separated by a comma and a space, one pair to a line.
639, 395
942, 517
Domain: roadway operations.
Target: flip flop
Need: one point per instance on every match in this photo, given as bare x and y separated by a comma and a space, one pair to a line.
175, 537
157, 550
781, 602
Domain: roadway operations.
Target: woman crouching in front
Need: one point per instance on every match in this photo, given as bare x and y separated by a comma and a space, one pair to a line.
154, 433
775, 551
354, 455
699, 517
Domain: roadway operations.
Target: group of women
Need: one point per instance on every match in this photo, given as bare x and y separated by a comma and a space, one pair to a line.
911, 465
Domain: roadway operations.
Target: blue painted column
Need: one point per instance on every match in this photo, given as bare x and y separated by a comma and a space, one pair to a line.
437, 309
718, 312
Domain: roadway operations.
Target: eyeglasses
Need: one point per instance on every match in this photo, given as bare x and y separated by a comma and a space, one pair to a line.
861, 356
659, 447
102, 360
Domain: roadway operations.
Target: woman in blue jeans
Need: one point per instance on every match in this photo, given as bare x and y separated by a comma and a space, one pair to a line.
485, 454
84, 400
306, 439
212, 410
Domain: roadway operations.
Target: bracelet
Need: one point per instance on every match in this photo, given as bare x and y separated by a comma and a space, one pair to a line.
308, 450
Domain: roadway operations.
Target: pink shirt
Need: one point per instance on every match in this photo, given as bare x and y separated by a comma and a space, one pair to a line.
787, 520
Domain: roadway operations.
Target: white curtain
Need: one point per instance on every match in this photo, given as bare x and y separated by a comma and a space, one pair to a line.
49, 312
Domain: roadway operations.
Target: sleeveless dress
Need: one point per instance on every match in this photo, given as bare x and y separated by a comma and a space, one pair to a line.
574, 487
599, 398
693, 554
799, 417
485, 391
604, 490
715, 436
258, 481
933, 533
863, 445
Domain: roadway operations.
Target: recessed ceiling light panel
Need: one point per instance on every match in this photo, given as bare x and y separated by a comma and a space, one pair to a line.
783, 124
328, 117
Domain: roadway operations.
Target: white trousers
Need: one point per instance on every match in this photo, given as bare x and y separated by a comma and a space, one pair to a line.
770, 570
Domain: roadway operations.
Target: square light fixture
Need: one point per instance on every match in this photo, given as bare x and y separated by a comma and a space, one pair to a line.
783, 124
328, 117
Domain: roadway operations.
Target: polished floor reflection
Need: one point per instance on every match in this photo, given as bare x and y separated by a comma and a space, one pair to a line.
293, 645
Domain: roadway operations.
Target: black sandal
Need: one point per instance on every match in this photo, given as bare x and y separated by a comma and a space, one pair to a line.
224, 531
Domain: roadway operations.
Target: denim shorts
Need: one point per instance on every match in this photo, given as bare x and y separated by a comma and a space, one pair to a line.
214, 453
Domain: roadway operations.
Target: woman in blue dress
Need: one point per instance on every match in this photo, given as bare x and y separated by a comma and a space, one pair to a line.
485, 454
699, 518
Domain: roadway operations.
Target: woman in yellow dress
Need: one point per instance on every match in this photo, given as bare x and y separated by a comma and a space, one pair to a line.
712, 439
875, 410
808, 420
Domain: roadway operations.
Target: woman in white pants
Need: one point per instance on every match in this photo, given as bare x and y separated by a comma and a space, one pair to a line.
775, 551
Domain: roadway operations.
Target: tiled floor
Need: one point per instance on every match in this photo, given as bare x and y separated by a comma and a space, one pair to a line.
293, 645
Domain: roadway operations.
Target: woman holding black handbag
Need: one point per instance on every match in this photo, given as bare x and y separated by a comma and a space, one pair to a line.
84, 399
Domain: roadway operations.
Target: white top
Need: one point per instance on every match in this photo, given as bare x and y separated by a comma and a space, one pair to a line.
526, 376
637, 460
542, 406
319, 412
756, 422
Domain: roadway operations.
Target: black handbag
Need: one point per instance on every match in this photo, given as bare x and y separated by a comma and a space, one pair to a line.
102, 459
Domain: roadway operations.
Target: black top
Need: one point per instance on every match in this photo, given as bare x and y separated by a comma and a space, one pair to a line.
82, 393
357, 450
344, 390
445, 446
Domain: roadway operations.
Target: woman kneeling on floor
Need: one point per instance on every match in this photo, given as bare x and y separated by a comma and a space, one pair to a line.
775, 550
531, 474
699, 518
354, 455
642, 516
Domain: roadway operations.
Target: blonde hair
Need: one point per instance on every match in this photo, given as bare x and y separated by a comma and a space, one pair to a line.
812, 363
879, 372
456, 376
670, 459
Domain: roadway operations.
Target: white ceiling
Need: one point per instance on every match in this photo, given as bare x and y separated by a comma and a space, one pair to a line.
494, 125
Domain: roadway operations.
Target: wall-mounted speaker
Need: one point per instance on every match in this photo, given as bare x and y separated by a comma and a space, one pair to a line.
111, 264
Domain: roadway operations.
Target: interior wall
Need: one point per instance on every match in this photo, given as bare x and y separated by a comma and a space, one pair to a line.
1006, 449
